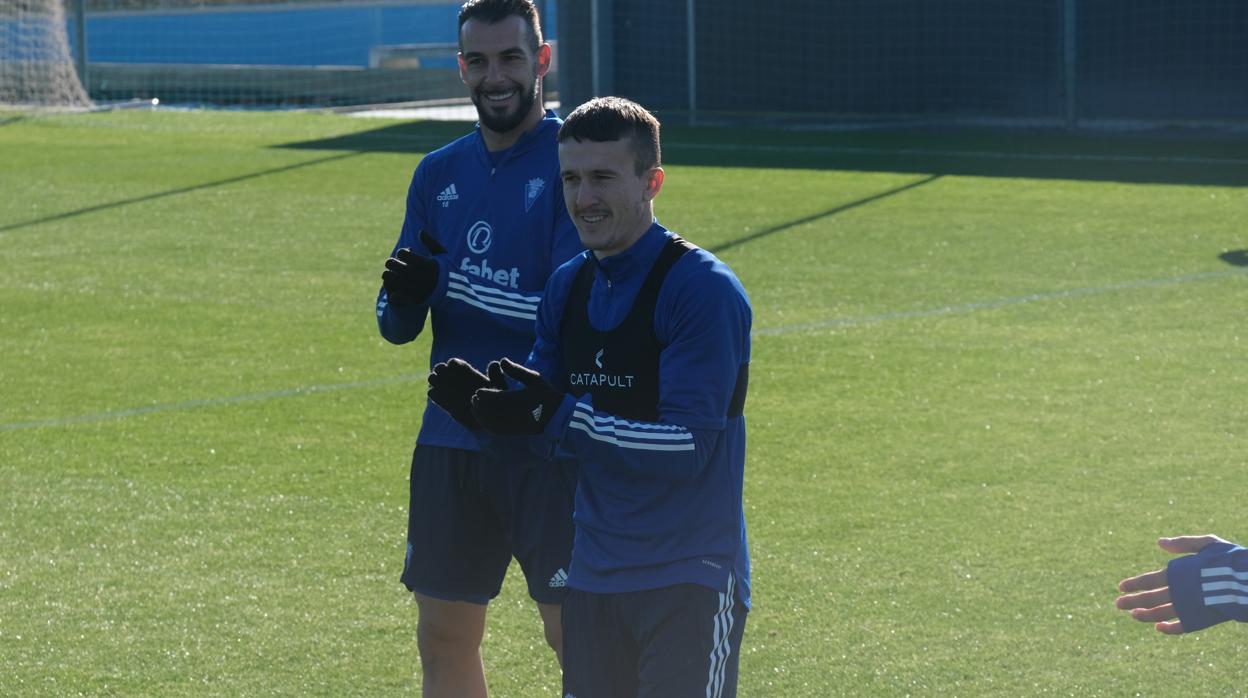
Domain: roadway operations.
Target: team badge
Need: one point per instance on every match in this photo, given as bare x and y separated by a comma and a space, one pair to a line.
532, 190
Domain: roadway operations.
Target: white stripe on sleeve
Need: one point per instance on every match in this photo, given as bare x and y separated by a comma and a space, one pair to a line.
1224, 572
1224, 586
635, 435
1220, 600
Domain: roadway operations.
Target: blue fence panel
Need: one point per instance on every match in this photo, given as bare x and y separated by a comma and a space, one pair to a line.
274, 35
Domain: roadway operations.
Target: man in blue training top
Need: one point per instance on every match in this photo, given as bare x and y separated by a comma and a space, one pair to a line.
484, 229
1204, 588
639, 374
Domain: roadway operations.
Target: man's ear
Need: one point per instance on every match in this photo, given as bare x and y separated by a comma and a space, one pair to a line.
543, 60
654, 182
463, 68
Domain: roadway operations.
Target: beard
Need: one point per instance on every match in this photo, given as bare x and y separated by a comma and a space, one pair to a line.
509, 120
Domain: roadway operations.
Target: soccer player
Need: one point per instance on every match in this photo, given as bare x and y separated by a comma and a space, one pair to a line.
485, 227
639, 373
1207, 587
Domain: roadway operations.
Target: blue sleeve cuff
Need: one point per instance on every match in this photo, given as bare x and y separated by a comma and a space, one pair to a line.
444, 279
1184, 576
547, 443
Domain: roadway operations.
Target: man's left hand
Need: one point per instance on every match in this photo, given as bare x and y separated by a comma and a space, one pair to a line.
524, 410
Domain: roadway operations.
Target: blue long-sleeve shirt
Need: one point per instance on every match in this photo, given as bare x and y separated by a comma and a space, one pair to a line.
502, 220
657, 503
1211, 586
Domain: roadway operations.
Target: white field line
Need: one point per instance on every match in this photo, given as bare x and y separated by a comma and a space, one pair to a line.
993, 304
974, 154
763, 332
211, 402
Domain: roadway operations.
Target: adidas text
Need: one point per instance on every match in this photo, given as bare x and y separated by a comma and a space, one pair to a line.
448, 195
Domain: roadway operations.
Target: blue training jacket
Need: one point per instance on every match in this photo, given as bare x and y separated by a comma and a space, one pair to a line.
502, 219
1211, 586
660, 503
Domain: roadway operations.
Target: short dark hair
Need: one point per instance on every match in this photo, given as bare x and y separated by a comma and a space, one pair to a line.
495, 11
615, 118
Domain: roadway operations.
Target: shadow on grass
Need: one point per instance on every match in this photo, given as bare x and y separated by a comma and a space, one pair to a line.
412, 137
1235, 258
172, 192
718, 249
1152, 158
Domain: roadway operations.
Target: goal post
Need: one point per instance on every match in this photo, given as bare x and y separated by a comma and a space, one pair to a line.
37, 67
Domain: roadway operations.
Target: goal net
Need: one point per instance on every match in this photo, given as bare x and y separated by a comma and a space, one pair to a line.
36, 65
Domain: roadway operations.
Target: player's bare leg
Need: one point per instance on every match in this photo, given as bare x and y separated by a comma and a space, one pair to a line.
552, 624
449, 634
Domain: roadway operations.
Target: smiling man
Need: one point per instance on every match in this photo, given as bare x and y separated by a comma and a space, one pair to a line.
638, 374
485, 226
501, 73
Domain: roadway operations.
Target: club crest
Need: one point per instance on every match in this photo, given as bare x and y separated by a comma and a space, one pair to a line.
532, 190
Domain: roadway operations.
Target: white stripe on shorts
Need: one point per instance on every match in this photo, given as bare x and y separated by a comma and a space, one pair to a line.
721, 642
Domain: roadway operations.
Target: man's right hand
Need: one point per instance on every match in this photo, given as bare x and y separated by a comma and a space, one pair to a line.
1147, 596
523, 410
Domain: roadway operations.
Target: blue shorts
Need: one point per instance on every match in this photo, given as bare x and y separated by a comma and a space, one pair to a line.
683, 640
469, 514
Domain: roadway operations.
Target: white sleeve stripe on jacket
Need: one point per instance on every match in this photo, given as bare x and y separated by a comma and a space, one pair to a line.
490, 309
629, 444
1224, 586
1224, 571
605, 427
608, 419
1230, 599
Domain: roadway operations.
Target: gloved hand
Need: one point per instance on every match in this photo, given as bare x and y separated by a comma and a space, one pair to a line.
410, 277
524, 410
452, 383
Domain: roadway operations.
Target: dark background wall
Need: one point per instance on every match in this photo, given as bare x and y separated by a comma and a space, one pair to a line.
1133, 59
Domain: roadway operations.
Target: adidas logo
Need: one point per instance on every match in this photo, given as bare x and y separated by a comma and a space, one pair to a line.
537, 414
448, 195
560, 580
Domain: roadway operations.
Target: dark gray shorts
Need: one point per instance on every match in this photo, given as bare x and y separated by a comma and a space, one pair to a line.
682, 640
469, 515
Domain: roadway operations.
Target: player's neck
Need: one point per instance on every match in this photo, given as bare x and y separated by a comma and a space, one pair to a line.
629, 242
496, 141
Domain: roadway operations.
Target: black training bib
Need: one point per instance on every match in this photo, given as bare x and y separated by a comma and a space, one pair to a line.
618, 367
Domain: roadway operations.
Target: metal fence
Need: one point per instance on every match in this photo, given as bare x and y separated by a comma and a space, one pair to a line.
1053, 62
271, 53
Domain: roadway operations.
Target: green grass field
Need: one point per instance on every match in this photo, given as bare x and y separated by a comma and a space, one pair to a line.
990, 368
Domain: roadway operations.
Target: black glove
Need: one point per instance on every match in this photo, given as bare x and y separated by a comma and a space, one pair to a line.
410, 277
451, 385
524, 410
